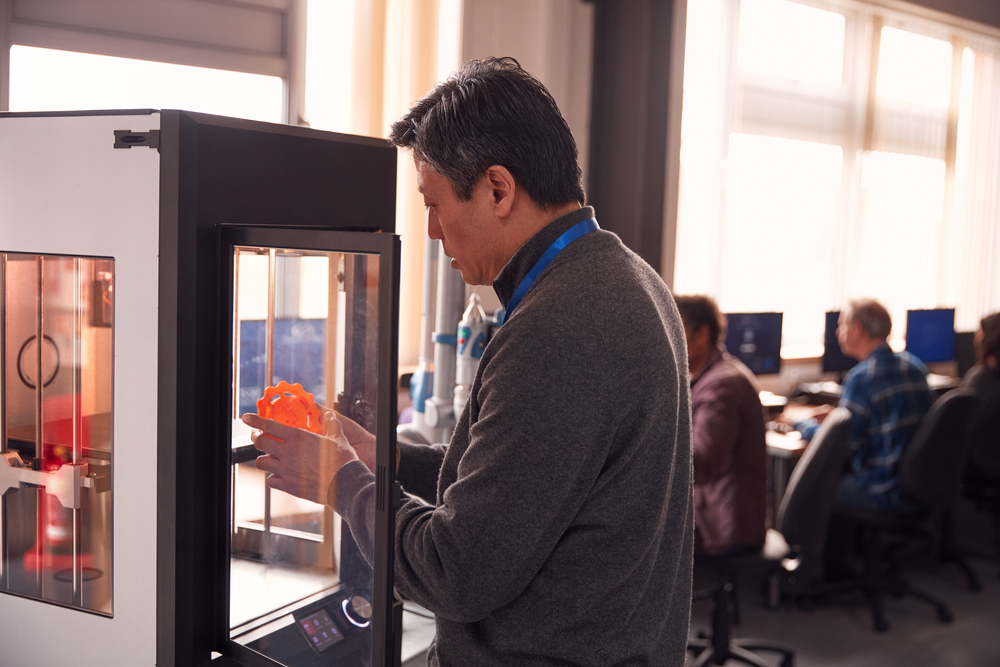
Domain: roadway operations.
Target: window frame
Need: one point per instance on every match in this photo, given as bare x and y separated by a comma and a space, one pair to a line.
251, 36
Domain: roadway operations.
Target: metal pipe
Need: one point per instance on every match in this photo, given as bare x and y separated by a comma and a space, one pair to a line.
268, 546
429, 302
236, 333
328, 551
450, 304
3, 363
77, 413
272, 259
234, 477
39, 381
333, 281
3, 414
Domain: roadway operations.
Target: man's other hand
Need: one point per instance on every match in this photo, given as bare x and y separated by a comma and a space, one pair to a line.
301, 463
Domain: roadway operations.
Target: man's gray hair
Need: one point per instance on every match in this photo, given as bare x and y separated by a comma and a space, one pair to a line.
493, 112
871, 315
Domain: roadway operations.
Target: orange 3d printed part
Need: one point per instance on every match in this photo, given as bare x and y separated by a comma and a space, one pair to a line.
291, 405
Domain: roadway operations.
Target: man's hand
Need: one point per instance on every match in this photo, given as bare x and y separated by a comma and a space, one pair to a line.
820, 412
793, 414
300, 462
361, 440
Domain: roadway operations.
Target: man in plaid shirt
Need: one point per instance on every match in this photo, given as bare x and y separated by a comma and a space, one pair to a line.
887, 395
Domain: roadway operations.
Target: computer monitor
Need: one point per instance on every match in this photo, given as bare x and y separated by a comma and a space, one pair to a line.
834, 359
755, 339
930, 334
965, 351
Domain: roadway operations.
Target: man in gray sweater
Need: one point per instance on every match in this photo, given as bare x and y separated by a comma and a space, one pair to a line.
557, 526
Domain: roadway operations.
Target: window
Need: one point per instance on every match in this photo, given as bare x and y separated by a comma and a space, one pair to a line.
770, 30
52, 80
329, 45
57, 402
913, 68
806, 182
774, 185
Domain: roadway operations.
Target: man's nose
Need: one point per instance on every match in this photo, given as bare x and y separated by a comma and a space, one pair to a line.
433, 228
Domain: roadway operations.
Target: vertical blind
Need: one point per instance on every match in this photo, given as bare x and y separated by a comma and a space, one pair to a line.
836, 151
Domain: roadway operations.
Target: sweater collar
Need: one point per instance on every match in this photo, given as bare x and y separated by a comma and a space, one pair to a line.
518, 266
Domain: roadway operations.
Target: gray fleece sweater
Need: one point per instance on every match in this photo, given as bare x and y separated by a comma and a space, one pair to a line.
557, 527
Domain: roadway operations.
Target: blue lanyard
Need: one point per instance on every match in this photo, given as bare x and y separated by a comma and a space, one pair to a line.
572, 234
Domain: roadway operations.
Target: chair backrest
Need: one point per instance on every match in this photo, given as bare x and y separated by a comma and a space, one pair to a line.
805, 508
932, 465
984, 436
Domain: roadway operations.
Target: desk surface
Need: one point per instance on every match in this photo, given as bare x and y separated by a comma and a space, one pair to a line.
789, 445
785, 445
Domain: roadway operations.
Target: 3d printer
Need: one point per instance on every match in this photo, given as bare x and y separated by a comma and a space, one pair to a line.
158, 270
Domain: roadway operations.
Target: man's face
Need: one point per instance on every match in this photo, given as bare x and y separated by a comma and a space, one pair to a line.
847, 335
698, 345
465, 228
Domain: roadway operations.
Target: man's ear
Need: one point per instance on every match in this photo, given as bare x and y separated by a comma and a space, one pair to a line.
502, 189
703, 334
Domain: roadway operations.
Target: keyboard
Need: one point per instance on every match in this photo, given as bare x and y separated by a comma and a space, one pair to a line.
821, 393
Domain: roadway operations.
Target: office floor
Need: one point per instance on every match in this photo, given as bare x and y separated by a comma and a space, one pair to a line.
418, 631
839, 632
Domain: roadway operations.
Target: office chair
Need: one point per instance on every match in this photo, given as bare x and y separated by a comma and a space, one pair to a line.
930, 472
804, 513
790, 550
982, 478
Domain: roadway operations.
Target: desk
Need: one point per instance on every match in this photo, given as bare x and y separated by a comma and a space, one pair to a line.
783, 450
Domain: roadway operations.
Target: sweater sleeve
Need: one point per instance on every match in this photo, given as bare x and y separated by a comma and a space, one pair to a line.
419, 468
352, 495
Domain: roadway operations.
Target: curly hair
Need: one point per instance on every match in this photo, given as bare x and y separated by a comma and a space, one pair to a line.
701, 310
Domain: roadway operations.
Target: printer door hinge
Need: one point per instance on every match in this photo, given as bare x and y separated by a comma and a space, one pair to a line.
128, 139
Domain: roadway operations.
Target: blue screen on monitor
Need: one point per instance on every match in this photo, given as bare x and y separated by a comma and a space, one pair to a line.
755, 339
930, 334
834, 360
